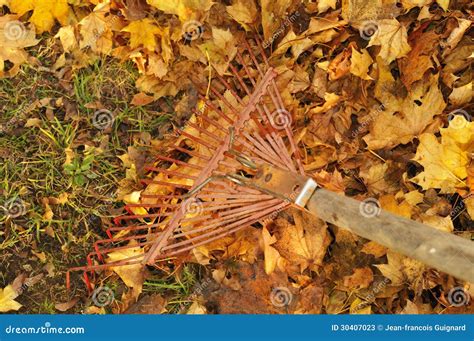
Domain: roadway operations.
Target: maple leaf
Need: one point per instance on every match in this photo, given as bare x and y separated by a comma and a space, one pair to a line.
131, 275
92, 28
221, 49
14, 36
305, 243
418, 60
243, 11
184, 9
44, 12
446, 162
142, 32
405, 118
324, 5
7, 299
272, 13
360, 63
400, 269
392, 38
271, 254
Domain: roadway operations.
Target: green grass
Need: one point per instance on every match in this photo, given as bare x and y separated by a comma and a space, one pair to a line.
32, 165
176, 287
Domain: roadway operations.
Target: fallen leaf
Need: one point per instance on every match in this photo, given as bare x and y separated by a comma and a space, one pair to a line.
142, 33
375, 249
243, 11
131, 275
400, 269
360, 63
360, 278
445, 162
270, 253
184, 9
63, 307
461, 95
403, 119
305, 243
141, 99
391, 36
44, 12
7, 299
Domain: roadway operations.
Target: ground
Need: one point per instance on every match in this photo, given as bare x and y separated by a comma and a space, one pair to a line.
381, 103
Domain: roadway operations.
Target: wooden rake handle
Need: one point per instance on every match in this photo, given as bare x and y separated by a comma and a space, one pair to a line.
441, 250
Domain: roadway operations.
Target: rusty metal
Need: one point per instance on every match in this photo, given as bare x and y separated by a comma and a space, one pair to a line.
196, 193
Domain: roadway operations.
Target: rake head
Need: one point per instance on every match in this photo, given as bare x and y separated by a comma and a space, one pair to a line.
195, 194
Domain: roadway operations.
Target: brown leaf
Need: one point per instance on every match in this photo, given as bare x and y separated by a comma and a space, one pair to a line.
361, 278
66, 305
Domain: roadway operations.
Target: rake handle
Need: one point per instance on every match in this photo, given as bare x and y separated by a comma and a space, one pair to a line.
441, 250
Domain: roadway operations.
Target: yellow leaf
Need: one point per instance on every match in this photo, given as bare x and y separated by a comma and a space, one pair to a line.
14, 34
184, 9
131, 275
461, 95
221, 49
197, 309
44, 12
68, 38
470, 206
243, 11
389, 203
92, 28
360, 63
305, 243
441, 223
403, 119
445, 163
409, 4
142, 32
324, 5
392, 38
7, 299
271, 254
273, 14
444, 4
400, 269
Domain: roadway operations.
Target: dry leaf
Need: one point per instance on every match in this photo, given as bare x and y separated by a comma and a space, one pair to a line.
131, 275
7, 299
142, 33
360, 63
403, 119
446, 162
44, 12
400, 269
392, 38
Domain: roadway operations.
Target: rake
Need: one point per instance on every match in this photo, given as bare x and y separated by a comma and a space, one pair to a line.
235, 164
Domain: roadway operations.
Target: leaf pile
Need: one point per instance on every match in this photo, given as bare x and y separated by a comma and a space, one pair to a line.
381, 93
